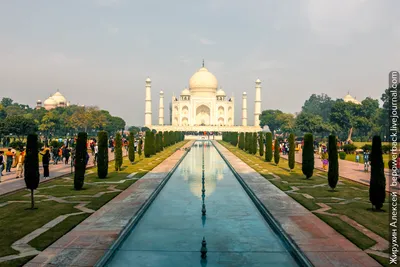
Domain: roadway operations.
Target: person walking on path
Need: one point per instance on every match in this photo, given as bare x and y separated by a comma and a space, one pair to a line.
366, 160
357, 158
1, 164
324, 158
46, 162
10, 158
66, 154
20, 163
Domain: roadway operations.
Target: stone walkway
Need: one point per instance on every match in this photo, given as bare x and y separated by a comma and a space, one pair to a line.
90, 240
350, 170
322, 245
9, 182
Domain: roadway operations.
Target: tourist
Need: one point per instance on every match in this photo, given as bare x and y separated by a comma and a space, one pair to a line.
45, 163
357, 158
10, 158
324, 158
66, 154
60, 153
55, 156
96, 152
20, 163
366, 160
1, 163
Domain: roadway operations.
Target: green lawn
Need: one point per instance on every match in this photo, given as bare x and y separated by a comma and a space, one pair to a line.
17, 221
349, 198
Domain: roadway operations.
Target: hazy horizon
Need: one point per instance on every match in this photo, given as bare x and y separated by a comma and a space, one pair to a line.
99, 52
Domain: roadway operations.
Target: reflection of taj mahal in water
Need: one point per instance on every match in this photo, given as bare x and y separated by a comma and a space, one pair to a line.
192, 171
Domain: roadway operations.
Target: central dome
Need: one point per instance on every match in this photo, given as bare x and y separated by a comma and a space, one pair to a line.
203, 81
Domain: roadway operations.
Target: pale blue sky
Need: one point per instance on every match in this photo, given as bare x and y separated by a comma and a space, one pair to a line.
99, 52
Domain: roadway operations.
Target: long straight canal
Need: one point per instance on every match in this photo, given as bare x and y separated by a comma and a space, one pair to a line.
171, 231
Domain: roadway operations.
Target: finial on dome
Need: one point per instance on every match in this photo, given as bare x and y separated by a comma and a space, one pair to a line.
203, 63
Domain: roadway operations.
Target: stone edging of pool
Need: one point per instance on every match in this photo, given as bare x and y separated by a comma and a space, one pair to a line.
312, 239
93, 241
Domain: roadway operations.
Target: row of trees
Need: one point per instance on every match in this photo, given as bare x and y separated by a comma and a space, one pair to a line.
21, 120
248, 142
322, 116
156, 142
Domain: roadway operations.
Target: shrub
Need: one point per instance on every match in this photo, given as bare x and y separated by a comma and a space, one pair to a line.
276, 152
157, 143
118, 152
140, 144
308, 156
241, 141
349, 148
102, 154
342, 155
254, 144
17, 144
246, 141
147, 145
268, 147
333, 171
131, 149
377, 186
31, 166
292, 150
386, 149
80, 160
161, 141
261, 144
153, 150
366, 147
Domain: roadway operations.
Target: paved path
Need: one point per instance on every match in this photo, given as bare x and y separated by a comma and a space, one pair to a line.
91, 239
321, 244
9, 182
350, 170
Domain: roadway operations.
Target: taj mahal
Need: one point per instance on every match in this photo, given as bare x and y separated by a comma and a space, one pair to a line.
203, 107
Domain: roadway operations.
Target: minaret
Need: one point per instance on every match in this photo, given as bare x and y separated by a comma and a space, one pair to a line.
257, 104
244, 109
147, 112
161, 111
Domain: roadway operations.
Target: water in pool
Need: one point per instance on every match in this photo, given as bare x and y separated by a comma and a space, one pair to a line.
171, 231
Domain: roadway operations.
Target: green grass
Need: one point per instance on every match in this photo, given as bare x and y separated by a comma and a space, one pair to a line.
360, 240
382, 261
17, 222
17, 262
49, 237
356, 209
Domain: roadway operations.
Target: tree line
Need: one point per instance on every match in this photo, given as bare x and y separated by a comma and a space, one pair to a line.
20, 120
322, 116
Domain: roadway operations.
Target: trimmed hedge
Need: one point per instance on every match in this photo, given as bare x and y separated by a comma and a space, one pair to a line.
118, 152
31, 166
377, 186
292, 150
131, 149
308, 156
102, 155
268, 147
276, 152
80, 160
333, 171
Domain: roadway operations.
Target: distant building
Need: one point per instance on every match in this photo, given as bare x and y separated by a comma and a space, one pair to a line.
349, 98
54, 101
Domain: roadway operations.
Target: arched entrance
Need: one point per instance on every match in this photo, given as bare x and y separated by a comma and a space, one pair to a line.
203, 115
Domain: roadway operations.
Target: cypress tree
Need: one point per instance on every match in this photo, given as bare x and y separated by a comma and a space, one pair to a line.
246, 141
333, 171
31, 166
118, 152
292, 150
261, 144
161, 141
80, 160
153, 146
241, 141
131, 149
254, 144
276, 152
147, 145
158, 143
308, 156
268, 147
377, 183
250, 143
102, 155
140, 144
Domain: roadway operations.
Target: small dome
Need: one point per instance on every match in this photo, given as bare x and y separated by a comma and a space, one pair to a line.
258, 81
161, 92
221, 92
348, 98
185, 92
50, 102
244, 93
203, 81
59, 98
39, 101
148, 79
